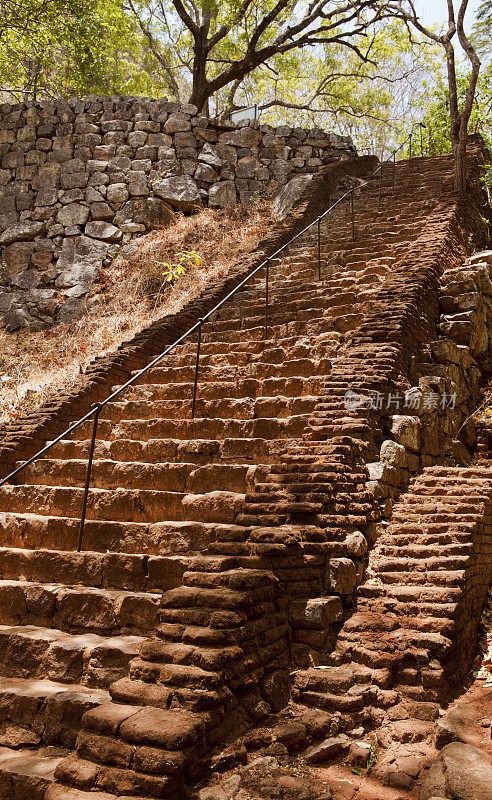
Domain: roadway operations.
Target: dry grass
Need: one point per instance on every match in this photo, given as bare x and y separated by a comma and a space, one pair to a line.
128, 296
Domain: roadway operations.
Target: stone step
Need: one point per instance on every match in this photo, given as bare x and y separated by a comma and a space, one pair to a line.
439, 577
197, 428
106, 570
108, 474
426, 564
254, 380
37, 712
387, 547
226, 407
187, 451
29, 774
422, 593
61, 533
78, 609
28, 651
123, 505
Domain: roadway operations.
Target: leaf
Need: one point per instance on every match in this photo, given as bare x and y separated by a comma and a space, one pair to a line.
357, 771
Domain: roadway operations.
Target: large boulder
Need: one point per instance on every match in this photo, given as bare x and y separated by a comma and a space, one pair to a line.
222, 194
152, 213
180, 191
458, 724
289, 194
461, 772
23, 232
80, 261
73, 214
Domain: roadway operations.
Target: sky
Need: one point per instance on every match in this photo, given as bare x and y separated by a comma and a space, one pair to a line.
436, 10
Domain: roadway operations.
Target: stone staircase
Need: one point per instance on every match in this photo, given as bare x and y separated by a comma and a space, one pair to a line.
418, 612
173, 628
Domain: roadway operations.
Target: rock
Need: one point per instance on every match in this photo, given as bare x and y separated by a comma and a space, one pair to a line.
152, 212
275, 688
356, 544
103, 230
318, 613
286, 198
406, 431
177, 122
458, 724
280, 168
230, 757
210, 157
80, 262
342, 575
413, 399
222, 194
72, 310
291, 734
180, 191
377, 470
244, 137
445, 350
73, 214
393, 454
102, 211
23, 232
329, 749
117, 193
20, 318
461, 772
205, 173
16, 258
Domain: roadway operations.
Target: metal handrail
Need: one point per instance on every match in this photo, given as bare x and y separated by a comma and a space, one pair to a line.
96, 410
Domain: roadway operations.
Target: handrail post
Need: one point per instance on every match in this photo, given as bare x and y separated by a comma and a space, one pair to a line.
266, 297
88, 476
380, 186
410, 149
353, 217
197, 362
421, 140
319, 248
394, 168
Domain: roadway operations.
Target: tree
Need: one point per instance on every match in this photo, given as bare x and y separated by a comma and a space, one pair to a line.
459, 114
60, 48
372, 101
204, 46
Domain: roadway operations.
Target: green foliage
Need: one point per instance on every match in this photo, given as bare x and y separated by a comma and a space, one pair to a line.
160, 273
173, 270
437, 137
72, 47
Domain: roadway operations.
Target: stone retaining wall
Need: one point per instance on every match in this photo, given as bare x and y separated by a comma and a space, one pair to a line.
79, 178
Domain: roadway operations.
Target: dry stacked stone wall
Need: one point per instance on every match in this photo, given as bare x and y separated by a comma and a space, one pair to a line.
79, 178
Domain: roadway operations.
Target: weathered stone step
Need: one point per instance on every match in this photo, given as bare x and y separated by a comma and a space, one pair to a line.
225, 407
198, 428
39, 712
123, 505
255, 380
422, 593
191, 451
386, 602
426, 563
36, 652
78, 609
174, 477
439, 577
390, 548
101, 536
30, 774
